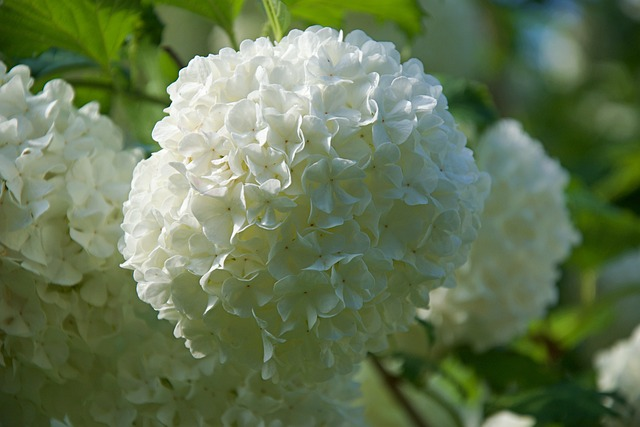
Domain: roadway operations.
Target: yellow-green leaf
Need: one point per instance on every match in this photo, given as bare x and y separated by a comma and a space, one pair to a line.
407, 14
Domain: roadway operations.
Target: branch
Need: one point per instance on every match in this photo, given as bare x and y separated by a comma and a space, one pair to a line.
392, 383
174, 56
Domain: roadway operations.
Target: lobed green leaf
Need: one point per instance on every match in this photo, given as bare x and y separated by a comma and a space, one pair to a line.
96, 29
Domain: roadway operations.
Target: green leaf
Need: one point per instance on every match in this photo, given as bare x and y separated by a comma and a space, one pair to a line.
568, 404
606, 229
414, 368
624, 177
222, 12
428, 327
151, 71
407, 14
54, 61
94, 28
471, 104
570, 326
150, 28
278, 16
461, 380
506, 369
77, 70
566, 327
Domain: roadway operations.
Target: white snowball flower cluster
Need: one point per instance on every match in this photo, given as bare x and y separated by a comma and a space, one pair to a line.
110, 362
526, 231
307, 197
618, 369
63, 178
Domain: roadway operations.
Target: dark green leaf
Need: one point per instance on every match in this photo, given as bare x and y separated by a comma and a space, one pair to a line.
567, 403
606, 229
429, 329
94, 92
506, 369
406, 13
54, 61
413, 368
624, 177
472, 105
94, 28
150, 27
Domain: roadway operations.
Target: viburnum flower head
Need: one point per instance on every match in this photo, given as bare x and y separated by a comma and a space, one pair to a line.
618, 370
307, 196
63, 179
510, 278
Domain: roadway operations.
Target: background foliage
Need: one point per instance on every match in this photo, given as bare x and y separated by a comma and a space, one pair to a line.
568, 69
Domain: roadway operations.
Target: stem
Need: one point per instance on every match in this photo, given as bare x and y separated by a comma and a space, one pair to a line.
174, 56
233, 39
136, 94
444, 404
392, 383
272, 15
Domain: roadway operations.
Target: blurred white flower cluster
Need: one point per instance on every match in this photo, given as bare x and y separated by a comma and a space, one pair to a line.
63, 177
110, 362
618, 370
510, 278
307, 197
509, 419
618, 274
91, 353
